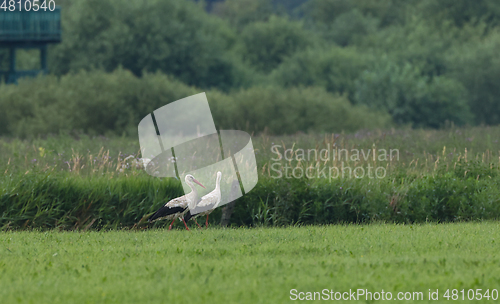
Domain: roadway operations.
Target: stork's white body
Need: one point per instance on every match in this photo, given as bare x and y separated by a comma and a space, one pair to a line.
210, 201
177, 207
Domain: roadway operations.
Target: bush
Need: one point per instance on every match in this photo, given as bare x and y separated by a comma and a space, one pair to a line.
350, 26
175, 37
240, 13
49, 200
267, 44
477, 66
335, 69
326, 11
384, 12
412, 98
287, 111
99, 103
90, 102
66, 201
462, 12
446, 199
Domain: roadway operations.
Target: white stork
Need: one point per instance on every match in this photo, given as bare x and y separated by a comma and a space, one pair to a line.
177, 207
207, 203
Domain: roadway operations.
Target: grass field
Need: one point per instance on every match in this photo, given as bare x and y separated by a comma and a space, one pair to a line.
93, 186
258, 265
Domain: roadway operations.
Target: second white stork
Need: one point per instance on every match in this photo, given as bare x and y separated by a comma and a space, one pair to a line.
177, 207
207, 203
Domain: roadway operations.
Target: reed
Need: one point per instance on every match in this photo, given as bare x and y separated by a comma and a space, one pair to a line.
99, 183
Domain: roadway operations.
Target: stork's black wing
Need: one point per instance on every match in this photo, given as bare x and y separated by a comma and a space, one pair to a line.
165, 211
188, 216
197, 210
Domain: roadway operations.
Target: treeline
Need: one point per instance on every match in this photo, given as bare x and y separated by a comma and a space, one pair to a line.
423, 62
98, 103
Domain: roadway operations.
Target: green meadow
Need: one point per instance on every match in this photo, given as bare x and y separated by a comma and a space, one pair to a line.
408, 89
71, 210
241, 265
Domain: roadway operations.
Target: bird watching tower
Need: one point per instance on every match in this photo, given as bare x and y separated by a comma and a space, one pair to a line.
28, 24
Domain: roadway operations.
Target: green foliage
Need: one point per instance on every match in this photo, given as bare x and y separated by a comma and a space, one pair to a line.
60, 200
267, 44
98, 103
446, 198
412, 98
366, 14
326, 11
421, 43
279, 111
462, 12
477, 66
240, 13
90, 102
349, 26
443, 58
442, 198
69, 182
388, 12
464, 170
436, 38
51, 200
174, 37
335, 69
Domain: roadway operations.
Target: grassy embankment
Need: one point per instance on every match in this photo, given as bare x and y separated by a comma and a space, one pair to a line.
448, 175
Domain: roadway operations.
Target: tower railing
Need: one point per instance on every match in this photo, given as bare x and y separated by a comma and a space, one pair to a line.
28, 29
30, 26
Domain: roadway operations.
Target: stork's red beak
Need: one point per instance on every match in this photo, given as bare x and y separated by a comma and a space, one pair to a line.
194, 180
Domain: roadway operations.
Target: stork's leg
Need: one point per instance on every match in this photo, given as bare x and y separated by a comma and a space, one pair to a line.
170, 227
206, 222
185, 224
197, 223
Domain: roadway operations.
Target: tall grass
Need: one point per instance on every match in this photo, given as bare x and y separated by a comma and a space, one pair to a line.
63, 201
100, 183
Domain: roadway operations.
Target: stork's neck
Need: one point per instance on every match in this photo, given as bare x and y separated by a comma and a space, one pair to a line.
217, 192
192, 196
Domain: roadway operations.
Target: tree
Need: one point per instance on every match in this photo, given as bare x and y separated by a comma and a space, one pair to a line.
411, 98
477, 66
175, 37
267, 44
462, 12
240, 13
335, 69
